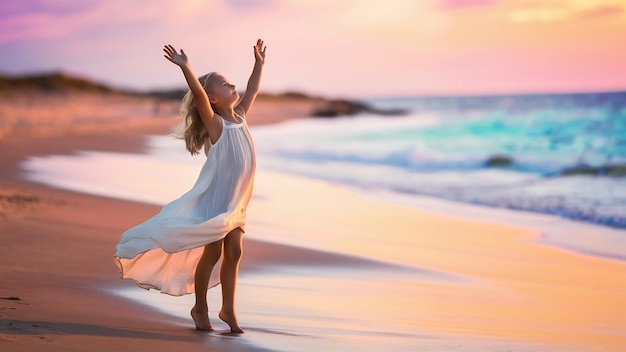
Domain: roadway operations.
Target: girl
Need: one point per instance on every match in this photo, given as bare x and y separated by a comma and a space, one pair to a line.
179, 250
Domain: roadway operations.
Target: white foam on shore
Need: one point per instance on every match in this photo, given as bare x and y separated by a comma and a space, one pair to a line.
435, 156
578, 236
168, 172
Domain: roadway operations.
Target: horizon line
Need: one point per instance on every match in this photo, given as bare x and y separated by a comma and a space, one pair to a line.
112, 86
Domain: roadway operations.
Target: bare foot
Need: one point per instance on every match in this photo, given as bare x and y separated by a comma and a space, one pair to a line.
231, 320
201, 319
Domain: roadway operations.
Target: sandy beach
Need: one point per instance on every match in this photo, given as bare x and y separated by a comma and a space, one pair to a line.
57, 245
471, 285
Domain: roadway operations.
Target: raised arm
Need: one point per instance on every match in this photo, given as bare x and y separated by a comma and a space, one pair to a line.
201, 99
255, 79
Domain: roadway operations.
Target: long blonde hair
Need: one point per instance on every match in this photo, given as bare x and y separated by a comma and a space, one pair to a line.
191, 128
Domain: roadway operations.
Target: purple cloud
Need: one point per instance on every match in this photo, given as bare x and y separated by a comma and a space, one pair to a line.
60, 8
32, 19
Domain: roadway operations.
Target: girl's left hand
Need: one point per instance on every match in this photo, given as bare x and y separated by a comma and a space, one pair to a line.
259, 51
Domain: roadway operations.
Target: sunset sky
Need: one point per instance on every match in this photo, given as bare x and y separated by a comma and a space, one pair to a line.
354, 48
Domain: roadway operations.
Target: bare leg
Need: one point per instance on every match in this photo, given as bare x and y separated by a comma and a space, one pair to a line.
233, 245
200, 311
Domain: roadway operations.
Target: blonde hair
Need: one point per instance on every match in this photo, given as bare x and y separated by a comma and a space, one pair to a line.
191, 128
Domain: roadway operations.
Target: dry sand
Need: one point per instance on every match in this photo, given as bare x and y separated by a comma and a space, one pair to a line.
56, 249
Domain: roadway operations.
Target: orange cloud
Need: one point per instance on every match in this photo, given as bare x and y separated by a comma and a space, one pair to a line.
602, 11
550, 11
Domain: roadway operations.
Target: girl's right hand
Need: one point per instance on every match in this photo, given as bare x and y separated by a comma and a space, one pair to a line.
173, 56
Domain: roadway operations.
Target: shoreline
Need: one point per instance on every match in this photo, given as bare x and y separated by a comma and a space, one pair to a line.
555, 231
568, 234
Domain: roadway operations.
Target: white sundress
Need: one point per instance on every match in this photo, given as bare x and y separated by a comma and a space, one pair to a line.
162, 253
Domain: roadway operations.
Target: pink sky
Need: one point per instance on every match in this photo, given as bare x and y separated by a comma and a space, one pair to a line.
354, 48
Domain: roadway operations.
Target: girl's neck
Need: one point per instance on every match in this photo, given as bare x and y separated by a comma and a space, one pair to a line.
227, 112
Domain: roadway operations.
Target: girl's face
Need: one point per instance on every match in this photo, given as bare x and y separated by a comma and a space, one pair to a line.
222, 91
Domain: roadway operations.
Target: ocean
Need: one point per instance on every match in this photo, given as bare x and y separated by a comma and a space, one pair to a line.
556, 154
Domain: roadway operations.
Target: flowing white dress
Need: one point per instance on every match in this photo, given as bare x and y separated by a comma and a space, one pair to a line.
162, 253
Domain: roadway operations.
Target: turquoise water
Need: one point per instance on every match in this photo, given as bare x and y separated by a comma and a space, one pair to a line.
562, 132
558, 154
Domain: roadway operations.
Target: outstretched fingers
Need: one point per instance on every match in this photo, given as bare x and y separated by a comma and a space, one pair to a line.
169, 49
259, 46
174, 57
169, 52
259, 50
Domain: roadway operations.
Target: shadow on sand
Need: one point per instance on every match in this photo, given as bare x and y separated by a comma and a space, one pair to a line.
25, 327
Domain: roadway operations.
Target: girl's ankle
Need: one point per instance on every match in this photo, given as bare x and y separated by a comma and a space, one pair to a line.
200, 308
